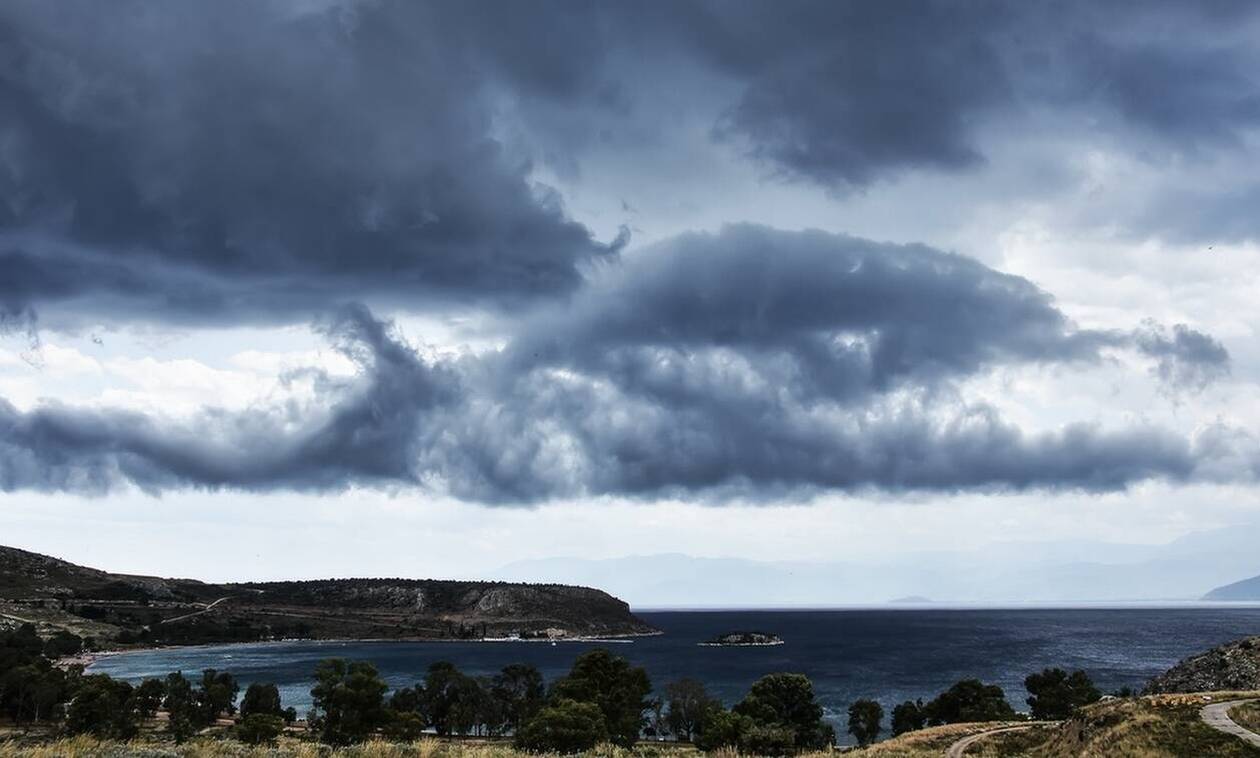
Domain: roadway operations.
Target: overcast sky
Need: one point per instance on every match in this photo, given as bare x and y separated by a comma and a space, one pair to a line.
324, 287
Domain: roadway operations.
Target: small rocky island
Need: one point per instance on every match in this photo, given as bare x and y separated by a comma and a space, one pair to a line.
743, 639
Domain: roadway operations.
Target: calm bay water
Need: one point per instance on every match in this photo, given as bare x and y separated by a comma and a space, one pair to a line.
888, 655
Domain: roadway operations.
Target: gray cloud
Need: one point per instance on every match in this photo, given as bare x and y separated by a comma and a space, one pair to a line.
238, 161
743, 364
831, 316
844, 94
227, 160
367, 434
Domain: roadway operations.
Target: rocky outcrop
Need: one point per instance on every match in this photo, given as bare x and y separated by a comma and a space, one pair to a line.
744, 639
1232, 666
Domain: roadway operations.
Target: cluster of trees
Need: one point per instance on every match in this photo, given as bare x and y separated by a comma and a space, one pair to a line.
602, 699
34, 691
1052, 694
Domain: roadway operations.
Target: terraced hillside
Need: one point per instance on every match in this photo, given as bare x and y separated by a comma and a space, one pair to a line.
152, 610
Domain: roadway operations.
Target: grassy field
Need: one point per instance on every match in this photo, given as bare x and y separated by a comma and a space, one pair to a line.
1161, 726
925, 742
86, 747
1248, 716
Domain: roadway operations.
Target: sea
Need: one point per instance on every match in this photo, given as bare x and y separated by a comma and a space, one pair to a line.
890, 655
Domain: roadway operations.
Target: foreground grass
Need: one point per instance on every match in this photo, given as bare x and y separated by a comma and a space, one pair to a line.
1247, 716
1159, 726
87, 747
932, 742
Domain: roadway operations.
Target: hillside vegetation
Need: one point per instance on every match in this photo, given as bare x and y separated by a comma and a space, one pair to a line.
55, 594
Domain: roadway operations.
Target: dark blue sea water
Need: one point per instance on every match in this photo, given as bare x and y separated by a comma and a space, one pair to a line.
888, 655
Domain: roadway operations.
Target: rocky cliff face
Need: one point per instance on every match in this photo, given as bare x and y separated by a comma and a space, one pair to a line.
1232, 666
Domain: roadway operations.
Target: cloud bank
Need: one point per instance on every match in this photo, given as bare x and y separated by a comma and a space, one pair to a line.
743, 364
229, 164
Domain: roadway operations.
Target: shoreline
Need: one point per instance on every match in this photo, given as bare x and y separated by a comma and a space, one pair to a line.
89, 659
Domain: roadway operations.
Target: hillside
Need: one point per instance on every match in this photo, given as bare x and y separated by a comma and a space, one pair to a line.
1232, 666
120, 608
1246, 589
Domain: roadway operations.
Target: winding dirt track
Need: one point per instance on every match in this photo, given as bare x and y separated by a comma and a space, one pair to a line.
1216, 716
207, 609
957, 749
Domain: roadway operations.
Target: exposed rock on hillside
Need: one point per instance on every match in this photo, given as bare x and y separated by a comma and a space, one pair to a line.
1232, 666
744, 639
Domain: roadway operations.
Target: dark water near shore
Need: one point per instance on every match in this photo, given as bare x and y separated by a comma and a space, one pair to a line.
888, 655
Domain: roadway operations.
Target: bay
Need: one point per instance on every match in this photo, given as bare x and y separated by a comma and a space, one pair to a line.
889, 655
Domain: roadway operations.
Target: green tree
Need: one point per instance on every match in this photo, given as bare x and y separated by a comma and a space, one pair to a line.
407, 699
519, 690
259, 728
908, 717
349, 700
62, 644
103, 707
217, 695
148, 695
31, 688
1055, 694
452, 700
967, 701
686, 704
720, 728
787, 701
564, 726
865, 721
262, 698
183, 711
611, 683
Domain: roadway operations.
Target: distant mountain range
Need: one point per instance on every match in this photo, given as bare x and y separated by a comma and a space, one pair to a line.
1004, 573
120, 608
1247, 589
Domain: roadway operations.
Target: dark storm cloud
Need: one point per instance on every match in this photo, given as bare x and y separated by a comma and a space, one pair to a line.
214, 157
241, 162
247, 161
747, 363
831, 316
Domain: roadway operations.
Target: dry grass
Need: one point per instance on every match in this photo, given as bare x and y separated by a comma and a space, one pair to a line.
1011, 744
86, 747
925, 742
1247, 716
1160, 726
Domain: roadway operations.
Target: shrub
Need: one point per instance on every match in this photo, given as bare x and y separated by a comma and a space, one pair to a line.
404, 726
565, 726
259, 729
